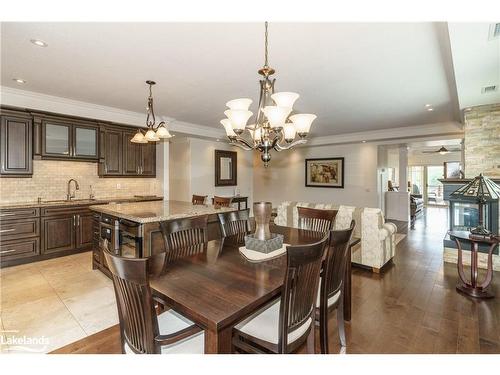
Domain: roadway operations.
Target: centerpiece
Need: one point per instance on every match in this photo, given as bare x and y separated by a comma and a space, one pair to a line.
263, 240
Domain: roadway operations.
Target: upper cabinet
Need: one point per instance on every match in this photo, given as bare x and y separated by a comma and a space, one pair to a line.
67, 139
120, 157
16, 138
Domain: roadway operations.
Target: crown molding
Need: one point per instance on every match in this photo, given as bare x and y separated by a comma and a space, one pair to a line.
43, 102
446, 129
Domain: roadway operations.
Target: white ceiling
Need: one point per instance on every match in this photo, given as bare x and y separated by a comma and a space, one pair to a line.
476, 60
354, 76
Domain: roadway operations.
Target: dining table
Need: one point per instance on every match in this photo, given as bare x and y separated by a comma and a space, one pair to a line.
218, 288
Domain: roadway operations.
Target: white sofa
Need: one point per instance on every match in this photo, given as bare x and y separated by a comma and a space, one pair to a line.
377, 237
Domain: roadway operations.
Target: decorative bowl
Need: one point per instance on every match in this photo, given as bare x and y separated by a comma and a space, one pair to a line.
275, 242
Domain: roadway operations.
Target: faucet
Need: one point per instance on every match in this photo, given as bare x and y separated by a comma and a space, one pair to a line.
77, 187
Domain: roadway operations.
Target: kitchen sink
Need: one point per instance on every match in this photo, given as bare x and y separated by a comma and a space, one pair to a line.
69, 201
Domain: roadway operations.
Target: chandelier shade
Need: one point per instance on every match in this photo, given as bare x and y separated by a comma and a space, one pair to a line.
154, 133
285, 99
274, 128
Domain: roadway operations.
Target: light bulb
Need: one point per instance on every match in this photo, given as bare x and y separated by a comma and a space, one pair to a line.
239, 104
276, 115
238, 118
138, 138
151, 136
163, 133
302, 123
228, 128
289, 131
285, 99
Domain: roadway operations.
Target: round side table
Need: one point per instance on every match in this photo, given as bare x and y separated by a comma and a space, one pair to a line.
472, 287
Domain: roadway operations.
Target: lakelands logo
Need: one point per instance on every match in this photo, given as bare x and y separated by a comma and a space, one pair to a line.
26, 344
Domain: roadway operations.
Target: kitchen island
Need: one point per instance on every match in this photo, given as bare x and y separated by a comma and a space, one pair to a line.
132, 229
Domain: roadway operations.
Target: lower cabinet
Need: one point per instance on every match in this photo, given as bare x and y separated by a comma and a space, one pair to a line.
58, 233
19, 249
84, 230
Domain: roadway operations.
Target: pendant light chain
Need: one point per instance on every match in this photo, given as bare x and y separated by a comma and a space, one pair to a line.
265, 47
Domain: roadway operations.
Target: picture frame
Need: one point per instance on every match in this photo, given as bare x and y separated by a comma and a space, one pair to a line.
452, 169
226, 168
325, 172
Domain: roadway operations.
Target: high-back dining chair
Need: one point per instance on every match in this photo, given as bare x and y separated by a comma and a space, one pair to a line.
235, 223
222, 201
141, 330
331, 291
285, 324
198, 199
184, 237
316, 219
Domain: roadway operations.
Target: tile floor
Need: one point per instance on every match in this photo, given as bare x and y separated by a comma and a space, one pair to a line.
57, 301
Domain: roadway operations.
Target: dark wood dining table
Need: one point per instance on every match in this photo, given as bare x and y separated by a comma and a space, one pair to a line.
220, 287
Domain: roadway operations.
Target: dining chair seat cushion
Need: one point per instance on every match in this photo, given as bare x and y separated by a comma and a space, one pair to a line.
264, 325
170, 322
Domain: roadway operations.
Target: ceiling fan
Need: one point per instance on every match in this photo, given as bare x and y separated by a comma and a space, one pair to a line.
442, 151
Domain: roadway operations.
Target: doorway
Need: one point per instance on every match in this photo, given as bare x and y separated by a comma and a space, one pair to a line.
424, 182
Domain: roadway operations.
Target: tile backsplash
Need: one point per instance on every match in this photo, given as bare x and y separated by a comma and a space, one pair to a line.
50, 180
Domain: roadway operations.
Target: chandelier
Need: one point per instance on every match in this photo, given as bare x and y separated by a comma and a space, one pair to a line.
154, 132
274, 128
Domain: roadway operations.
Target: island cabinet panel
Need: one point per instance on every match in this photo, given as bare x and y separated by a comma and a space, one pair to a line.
58, 233
16, 157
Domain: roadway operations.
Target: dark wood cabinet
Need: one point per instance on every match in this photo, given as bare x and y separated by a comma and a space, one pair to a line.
84, 230
148, 160
113, 154
85, 142
16, 133
131, 155
120, 157
58, 233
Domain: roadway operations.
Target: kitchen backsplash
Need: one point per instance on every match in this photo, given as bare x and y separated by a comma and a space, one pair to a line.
50, 180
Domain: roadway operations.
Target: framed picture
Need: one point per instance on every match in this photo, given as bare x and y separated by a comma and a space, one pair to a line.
327, 172
452, 169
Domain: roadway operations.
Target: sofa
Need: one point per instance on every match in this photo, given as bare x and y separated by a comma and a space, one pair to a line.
416, 206
377, 246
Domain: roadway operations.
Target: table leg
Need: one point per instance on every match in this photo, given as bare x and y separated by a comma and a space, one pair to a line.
347, 288
218, 341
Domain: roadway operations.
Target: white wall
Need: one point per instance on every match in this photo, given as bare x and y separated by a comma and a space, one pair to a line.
180, 170
284, 179
192, 170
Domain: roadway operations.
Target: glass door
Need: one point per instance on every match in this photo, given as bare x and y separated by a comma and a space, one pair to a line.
56, 139
416, 175
434, 186
85, 142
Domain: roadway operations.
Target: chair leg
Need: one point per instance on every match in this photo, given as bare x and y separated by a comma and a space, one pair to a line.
323, 332
311, 342
340, 322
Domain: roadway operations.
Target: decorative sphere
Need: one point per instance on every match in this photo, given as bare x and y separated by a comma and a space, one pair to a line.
265, 157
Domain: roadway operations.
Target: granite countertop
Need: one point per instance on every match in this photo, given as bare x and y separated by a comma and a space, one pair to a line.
78, 202
150, 212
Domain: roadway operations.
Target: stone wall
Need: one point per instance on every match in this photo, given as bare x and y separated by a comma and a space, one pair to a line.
482, 141
50, 178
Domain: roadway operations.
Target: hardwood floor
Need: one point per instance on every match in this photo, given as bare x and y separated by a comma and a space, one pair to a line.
411, 307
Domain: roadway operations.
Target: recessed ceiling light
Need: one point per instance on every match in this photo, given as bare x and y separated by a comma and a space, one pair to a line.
428, 105
38, 42
430, 109
19, 80
217, 140
363, 141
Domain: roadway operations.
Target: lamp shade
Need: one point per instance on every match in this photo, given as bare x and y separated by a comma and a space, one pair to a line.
239, 104
479, 189
303, 122
285, 99
238, 118
289, 131
228, 128
163, 133
138, 138
276, 115
151, 136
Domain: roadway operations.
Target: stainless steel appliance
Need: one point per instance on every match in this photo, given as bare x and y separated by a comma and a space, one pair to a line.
121, 237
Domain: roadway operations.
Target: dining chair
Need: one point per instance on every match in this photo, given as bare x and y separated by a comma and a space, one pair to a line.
184, 237
316, 219
198, 199
142, 331
222, 201
288, 322
331, 291
235, 224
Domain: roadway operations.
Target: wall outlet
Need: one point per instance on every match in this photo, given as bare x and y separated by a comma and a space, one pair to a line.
118, 186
